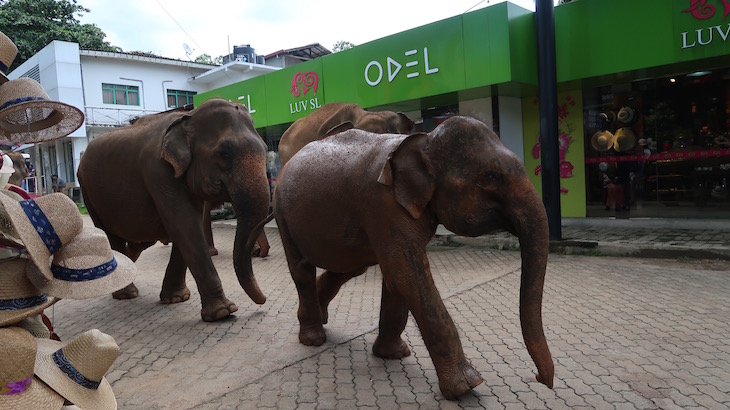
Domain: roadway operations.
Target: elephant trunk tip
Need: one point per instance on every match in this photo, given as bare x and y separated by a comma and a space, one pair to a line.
546, 379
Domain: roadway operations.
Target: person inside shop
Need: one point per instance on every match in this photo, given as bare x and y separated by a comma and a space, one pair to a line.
57, 184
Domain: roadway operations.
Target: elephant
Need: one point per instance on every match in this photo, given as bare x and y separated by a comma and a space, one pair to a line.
356, 199
261, 248
21, 169
147, 182
314, 126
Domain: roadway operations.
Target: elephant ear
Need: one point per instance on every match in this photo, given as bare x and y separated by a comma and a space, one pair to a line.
175, 147
408, 171
347, 125
338, 118
408, 124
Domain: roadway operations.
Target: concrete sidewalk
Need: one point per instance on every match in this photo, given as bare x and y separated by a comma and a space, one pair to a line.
629, 333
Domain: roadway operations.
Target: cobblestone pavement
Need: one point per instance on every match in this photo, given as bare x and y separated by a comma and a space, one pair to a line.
625, 333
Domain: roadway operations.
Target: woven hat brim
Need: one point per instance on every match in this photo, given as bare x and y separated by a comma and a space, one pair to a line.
122, 276
9, 317
37, 395
45, 130
101, 398
37, 250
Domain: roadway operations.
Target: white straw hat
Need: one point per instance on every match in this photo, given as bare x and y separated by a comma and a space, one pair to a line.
19, 389
28, 115
76, 369
44, 224
85, 268
19, 299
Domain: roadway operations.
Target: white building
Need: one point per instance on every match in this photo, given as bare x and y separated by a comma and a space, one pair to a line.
112, 88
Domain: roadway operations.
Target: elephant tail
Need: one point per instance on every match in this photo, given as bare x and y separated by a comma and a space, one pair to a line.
256, 231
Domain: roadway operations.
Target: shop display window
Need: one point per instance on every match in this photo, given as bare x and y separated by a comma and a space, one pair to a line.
659, 147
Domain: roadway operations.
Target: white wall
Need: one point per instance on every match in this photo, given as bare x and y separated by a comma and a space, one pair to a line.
510, 125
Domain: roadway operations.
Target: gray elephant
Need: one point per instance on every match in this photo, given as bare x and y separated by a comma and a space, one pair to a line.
315, 125
356, 199
148, 182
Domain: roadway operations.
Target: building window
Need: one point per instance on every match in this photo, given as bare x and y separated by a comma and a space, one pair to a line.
179, 98
120, 94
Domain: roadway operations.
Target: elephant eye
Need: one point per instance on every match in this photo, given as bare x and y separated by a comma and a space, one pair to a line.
488, 179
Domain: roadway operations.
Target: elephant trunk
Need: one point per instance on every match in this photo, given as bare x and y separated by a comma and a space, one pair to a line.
531, 227
251, 207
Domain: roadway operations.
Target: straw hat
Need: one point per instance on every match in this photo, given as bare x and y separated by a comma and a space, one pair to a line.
626, 114
625, 139
8, 51
28, 115
19, 389
44, 224
35, 326
602, 140
85, 268
19, 299
76, 369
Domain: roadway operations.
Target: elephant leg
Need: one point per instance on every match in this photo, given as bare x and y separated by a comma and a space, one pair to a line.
410, 277
130, 291
304, 274
261, 249
174, 289
208, 229
328, 284
393, 318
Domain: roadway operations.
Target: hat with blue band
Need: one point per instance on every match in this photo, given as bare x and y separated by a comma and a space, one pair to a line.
44, 225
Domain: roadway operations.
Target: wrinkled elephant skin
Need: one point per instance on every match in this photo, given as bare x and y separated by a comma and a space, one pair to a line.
149, 181
356, 199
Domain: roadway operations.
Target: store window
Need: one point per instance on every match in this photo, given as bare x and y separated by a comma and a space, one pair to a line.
659, 147
179, 98
120, 94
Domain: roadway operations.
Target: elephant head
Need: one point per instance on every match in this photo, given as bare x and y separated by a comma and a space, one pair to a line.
320, 123
462, 175
217, 151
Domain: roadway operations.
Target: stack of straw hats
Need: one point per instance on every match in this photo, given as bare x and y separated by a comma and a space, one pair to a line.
46, 255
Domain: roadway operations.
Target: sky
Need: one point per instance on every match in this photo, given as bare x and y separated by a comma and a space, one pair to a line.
213, 27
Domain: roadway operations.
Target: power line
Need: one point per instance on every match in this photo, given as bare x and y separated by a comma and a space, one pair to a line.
181, 27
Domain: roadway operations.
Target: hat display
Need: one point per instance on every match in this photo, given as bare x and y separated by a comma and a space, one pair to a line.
626, 114
625, 139
722, 141
85, 268
44, 225
8, 51
19, 388
76, 369
19, 299
28, 115
602, 140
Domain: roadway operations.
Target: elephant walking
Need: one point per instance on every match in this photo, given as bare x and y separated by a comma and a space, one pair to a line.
357, 199
148, 182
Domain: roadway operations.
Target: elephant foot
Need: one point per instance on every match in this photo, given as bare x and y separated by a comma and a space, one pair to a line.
218, 310
454, 384
128, 292
396, 349
178, 296
312, 336
213, 251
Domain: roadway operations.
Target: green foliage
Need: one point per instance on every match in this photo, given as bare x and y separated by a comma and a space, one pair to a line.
342, 45
33, 24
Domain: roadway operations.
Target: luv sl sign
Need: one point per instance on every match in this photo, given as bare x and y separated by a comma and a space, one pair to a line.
704, 10
301, 85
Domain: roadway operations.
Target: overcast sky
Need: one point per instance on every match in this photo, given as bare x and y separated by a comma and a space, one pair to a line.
212, 26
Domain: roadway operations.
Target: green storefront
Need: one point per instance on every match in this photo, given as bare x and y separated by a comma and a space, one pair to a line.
644, 96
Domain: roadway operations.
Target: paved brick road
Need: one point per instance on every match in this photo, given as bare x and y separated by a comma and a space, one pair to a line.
625, 333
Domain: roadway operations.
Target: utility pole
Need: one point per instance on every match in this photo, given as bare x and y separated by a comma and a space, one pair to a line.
548, 104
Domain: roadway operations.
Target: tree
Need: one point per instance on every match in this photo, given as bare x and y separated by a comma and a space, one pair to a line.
32, 24
342, 45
